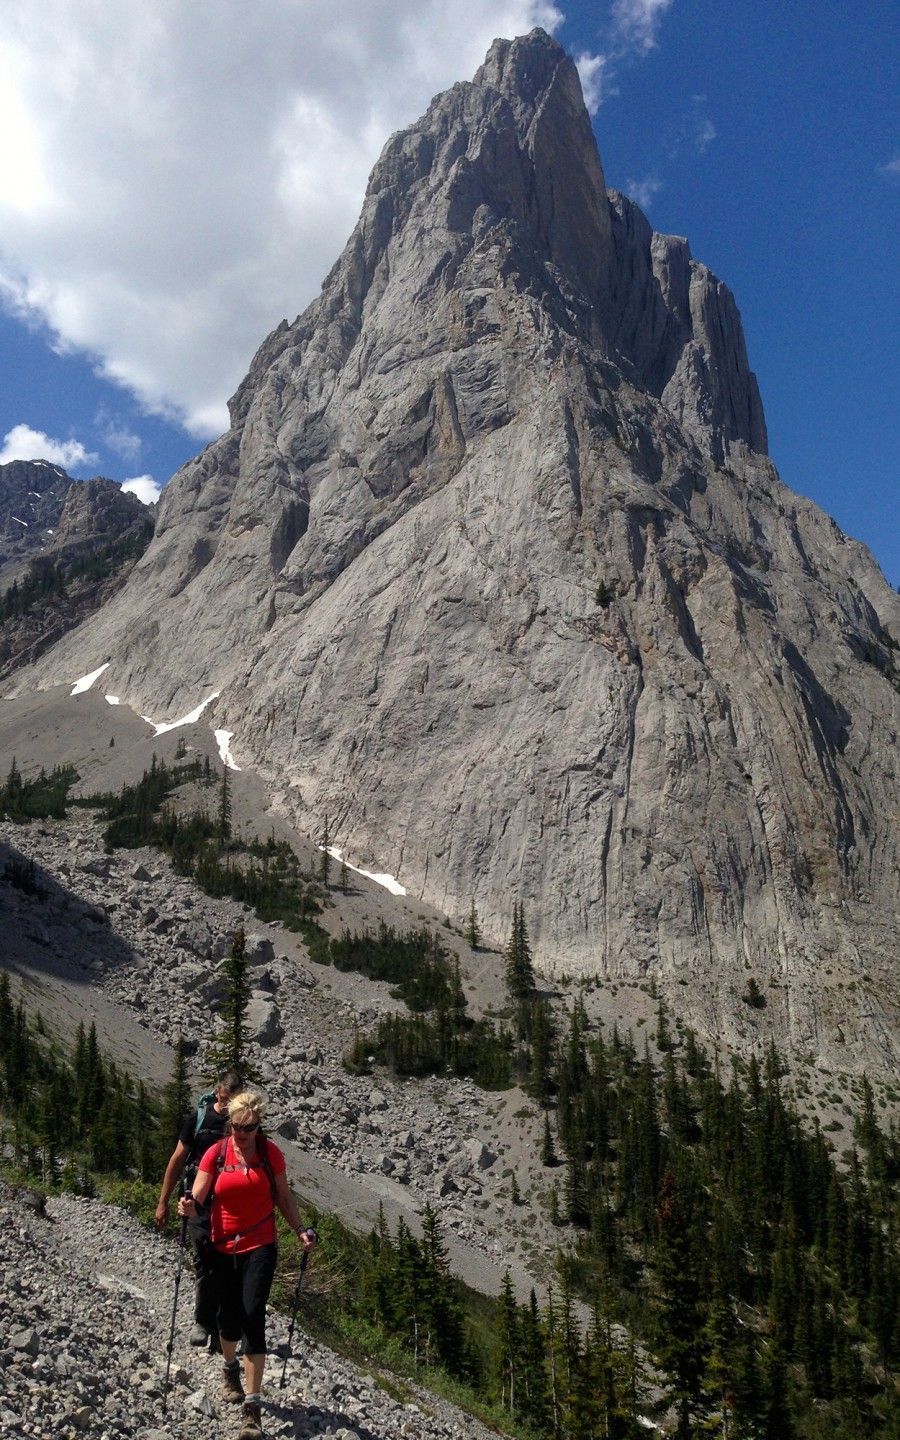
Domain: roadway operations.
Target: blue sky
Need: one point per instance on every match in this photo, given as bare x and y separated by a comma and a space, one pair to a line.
160, 214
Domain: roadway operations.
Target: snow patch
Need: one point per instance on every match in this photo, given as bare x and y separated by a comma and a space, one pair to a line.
189, 719
87, 681
19, 522
223, 740
388, 881
112, 699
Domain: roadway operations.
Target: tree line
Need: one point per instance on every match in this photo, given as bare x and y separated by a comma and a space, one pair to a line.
46, 578
68, 1116
698, 1210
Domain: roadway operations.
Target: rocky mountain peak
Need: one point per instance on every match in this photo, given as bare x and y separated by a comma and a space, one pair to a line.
32, 494
491, 568
96, 512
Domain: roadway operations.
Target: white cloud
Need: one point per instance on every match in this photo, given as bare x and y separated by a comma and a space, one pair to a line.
593, 72
643, 191
632, 29
122, 441
144, 487
23, 443
704, 133
177, 178
892, 168
636, 22
700, 131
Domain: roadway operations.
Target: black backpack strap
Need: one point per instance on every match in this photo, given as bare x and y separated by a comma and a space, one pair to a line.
267, 1164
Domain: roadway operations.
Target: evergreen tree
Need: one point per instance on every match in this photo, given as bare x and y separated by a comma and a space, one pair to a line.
325, 856
534, 1388
554, 1212
228, 1049
519, 973
176, 1104
509, 1347
680, 1321
548, 1152
539, 1082
224, 819
443, 1328
473, 932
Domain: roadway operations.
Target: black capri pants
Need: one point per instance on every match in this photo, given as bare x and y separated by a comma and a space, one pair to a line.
243, 1283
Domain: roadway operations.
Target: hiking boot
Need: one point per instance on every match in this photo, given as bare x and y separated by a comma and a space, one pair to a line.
232, 1389
251, 1423
199, 1336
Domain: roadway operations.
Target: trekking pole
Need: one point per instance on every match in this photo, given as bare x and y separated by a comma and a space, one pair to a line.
303, 1259
182, 1238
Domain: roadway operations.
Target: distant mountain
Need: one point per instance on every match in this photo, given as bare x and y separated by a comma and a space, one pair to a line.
32, 495
66, 546
492, 570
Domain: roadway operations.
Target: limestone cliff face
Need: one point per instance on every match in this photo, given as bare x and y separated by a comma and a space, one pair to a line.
491, 569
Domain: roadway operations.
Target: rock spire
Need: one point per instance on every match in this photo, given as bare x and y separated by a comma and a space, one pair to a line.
492, 569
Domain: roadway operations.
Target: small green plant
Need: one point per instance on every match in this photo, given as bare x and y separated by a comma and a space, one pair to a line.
753, 996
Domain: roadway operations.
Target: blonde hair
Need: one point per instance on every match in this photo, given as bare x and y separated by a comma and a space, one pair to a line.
247, 1102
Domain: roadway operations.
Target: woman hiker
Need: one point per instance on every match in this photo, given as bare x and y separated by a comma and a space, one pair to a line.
246, 1174
200, 1130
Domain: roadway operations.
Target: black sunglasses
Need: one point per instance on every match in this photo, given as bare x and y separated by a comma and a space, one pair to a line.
246, 1129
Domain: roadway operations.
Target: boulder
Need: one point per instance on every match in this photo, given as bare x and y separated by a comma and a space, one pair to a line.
482, 1158
259, 951
264, 1020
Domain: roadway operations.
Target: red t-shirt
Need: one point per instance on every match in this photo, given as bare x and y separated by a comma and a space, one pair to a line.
242, 1210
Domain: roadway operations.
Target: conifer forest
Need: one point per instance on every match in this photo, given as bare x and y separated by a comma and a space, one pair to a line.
718, 1262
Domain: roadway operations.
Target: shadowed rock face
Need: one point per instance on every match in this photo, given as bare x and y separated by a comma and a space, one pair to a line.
45, 513
32, 495
492, 570
87, 534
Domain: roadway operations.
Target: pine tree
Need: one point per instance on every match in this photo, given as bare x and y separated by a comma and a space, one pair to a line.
778, 1422
534, 1390
554, 1213
548, 1152
509, 1346
519, 973
344, 880
227, 1051
325, 856
443, 1338
554, 1367
176, 1104
473, 933
539, 1081
223, 828
681, 1346
663, 1031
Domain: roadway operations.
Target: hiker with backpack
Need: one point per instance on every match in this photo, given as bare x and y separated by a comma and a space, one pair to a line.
200, 1130
243, 1176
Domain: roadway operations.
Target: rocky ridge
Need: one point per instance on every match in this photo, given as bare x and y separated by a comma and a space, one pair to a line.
88, 533
32, 496
44, 512
492, 570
